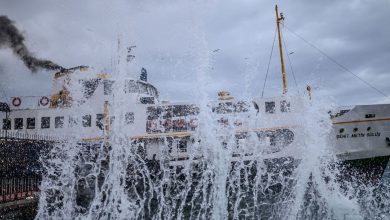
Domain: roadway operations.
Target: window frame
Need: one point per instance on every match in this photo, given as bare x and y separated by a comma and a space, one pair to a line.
73, 122
129, 118
370, 115
272, 109
7, 124
86, 121
59, 122
18, 125
45, 124
99, 122
285, 106
30, 121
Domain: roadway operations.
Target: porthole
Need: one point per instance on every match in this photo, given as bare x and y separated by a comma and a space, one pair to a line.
355, 129
341, 130
369, 129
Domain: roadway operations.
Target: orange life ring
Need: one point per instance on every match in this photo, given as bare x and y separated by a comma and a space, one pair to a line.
16, 101
44, 101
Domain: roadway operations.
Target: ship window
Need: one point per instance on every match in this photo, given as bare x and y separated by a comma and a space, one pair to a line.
355, 129
132, 87
86, 121
167, 111
224, 107
142, 88
241, 107
6, 124
152, 126
178, 110
99, 121
270, 107
129, 117
370, 115
45, 122
256, 106
179, 125
147, 100
193, 110
182, 146
18, 123
59, 122
369, 129
90, 87
341, 130
72, 121
151, 90
107, 87
284, 106
30, 123
154, 112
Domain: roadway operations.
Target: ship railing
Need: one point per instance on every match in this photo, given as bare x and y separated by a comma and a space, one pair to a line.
5, 134
18, 188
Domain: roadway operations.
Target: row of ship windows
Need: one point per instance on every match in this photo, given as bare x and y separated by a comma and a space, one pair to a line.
354, 130
284, 106
270, 107
59, 121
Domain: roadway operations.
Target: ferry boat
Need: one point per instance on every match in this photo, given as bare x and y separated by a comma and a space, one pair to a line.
79, 108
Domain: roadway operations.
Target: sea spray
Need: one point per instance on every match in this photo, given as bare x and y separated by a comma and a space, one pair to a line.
242, 161
317, 192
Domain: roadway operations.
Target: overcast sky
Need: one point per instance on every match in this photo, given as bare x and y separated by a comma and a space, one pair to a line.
175, 41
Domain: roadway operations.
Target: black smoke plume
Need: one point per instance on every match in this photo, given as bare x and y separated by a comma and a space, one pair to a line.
11, 37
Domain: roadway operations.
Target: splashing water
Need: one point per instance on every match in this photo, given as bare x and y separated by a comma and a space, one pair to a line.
112, 180
228, 173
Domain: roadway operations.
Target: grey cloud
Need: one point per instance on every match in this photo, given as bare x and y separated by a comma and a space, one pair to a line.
168, 38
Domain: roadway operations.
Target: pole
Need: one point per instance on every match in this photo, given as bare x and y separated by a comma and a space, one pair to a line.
278, 19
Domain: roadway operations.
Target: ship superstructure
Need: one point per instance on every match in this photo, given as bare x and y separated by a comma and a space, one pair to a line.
85, 116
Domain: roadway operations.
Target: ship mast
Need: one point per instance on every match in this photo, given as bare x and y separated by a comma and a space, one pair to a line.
278, 21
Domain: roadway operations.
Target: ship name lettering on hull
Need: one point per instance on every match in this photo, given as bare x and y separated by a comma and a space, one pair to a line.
373, 134
357, 135
342, 136
369, 134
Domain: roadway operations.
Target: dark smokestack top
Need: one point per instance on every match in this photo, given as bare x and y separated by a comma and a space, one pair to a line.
11, 37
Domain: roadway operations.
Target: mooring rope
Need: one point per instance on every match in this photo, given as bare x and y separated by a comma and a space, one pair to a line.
269, 62
337, 63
